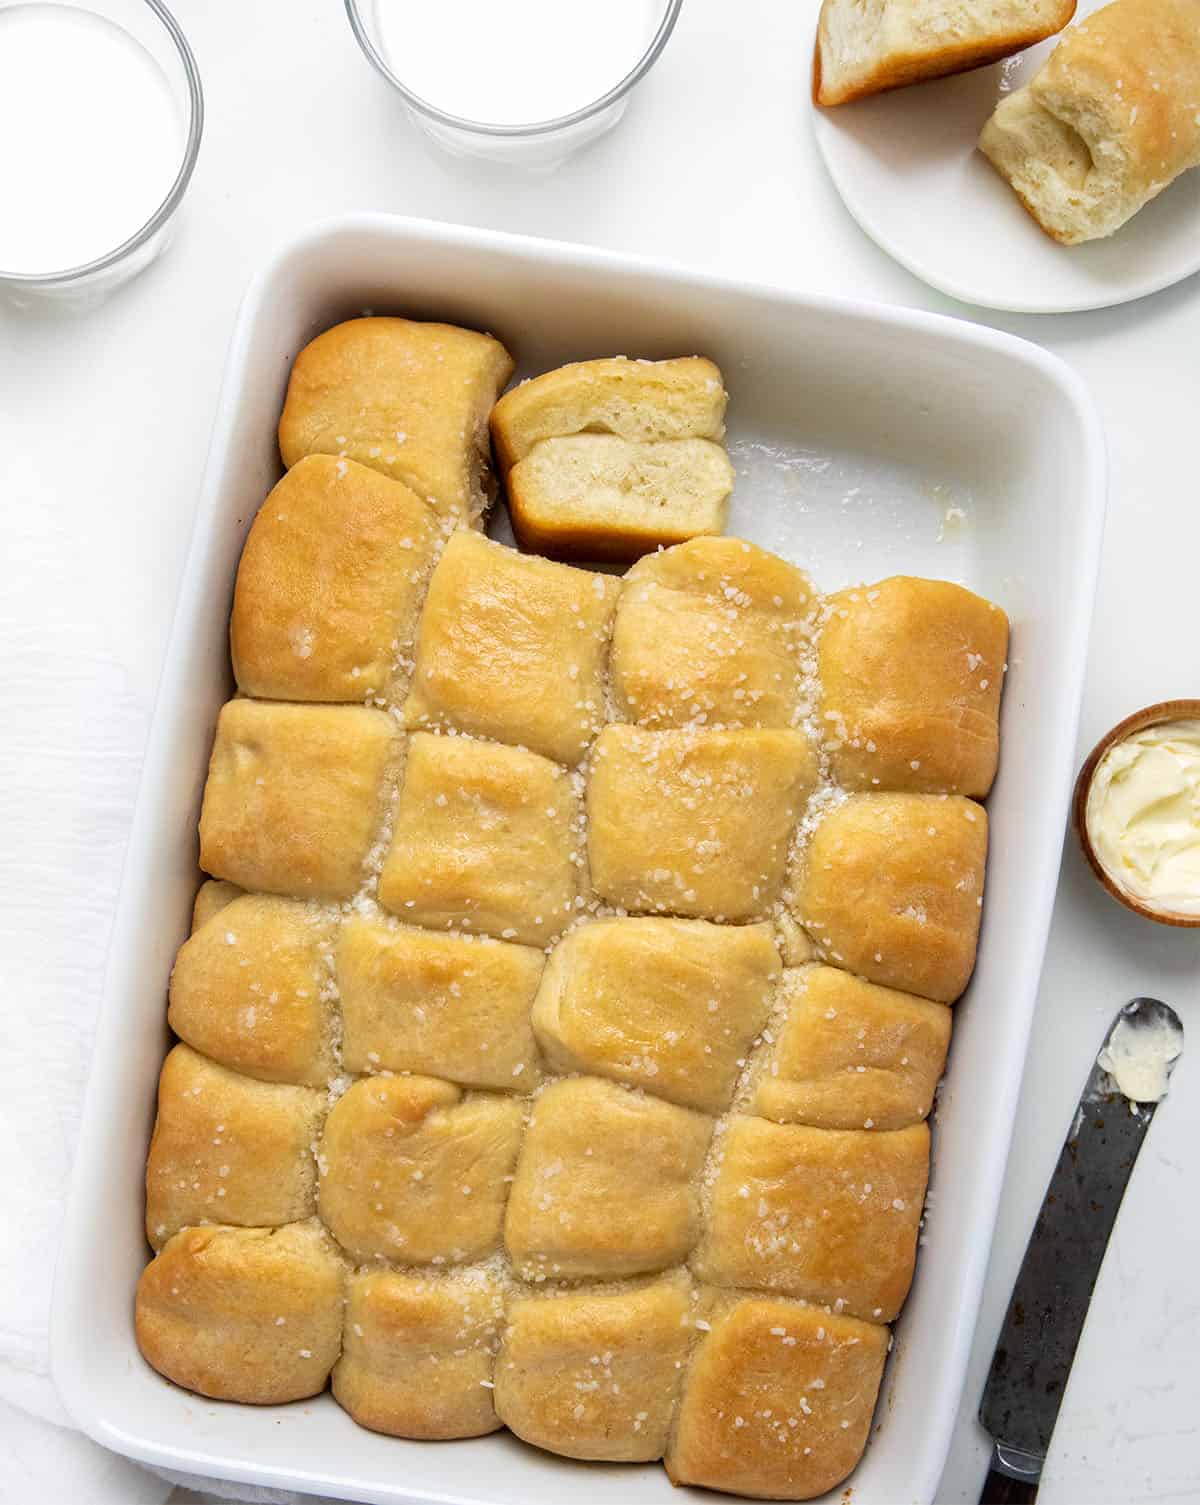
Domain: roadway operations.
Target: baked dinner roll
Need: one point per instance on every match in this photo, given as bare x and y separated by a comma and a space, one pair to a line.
911, 673
1109, 121
244, 1314
864, 49
486, 838
777, 1403
643, 401
408, 399
598, 496
724, 807
211, 898
453, 1006
514, 648
419, 1351
596, 1374
228, 1149
295, 795
329, 585
890, 886
415, 1171
850, 1055
668, 1005
712, 633
828, 1215
606, 1183
256, 991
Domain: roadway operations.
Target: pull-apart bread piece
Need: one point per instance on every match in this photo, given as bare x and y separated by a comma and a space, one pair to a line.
513, 647
415, 1170
295, 796
724, 807
255, 990
1110, 120
911, 673
609, 459
228, 1149
244, 1314
672, 1006
606, 1184
714, 632
419, 1352
890, 886
454, 1006
596, 1374
330, 584
867, 46
826, 1215
850, 1055
212, 897
486, 839
778, 1400
408, 399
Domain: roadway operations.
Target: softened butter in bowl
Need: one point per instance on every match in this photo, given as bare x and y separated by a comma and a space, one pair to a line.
1142, 816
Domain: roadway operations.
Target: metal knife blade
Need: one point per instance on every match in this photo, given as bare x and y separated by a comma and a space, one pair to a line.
1066, 1248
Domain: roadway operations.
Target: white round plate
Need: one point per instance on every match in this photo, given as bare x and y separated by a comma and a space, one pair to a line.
906, 167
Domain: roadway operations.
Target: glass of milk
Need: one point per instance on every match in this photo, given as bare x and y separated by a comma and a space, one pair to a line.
522, 81
100, 119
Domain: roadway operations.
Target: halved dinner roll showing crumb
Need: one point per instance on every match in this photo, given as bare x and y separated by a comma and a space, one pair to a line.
598, 496
1112, 118
646, 401
865, 48
608, 459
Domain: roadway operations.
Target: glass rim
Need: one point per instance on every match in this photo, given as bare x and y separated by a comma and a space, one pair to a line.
174, 194
639, 70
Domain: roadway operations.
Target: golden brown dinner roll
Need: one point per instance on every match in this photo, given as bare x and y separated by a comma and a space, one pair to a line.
596, 1374
606, 1183
513, 648
329, 586
414, 1170
408, 399
1110, 120
890, 886
256, 991
712, 633
294, 796
828, 1215
211, 898
911, 672
228, 1149
724, 807
646, 401
866, 49
486, 838
778, 1400
244, 1314
418, 1352
598, 496
850, 1055
668, 1005
454, 1006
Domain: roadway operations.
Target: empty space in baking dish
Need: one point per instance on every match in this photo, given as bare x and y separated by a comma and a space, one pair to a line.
867, 442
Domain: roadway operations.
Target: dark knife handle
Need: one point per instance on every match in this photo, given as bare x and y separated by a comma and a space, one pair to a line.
1003, 1489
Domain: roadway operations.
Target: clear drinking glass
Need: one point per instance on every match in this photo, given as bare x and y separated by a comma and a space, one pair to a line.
153, 26
540, 144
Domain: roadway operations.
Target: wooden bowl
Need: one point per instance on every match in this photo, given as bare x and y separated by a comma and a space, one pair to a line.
1151, 715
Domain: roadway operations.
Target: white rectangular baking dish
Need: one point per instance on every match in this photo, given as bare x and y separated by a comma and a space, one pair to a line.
868, 441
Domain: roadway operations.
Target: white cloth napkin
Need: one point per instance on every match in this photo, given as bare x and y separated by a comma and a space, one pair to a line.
72, 733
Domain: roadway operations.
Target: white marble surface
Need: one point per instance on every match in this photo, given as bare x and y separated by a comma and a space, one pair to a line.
104, 423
